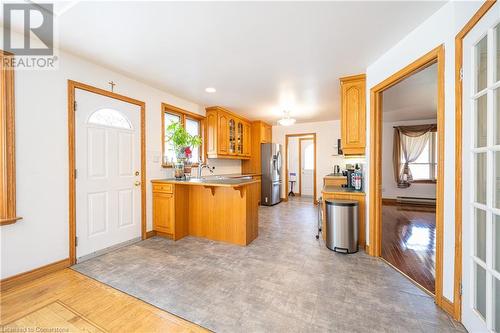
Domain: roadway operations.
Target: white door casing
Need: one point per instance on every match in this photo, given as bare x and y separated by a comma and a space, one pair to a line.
307, 167
481, 175
108, 165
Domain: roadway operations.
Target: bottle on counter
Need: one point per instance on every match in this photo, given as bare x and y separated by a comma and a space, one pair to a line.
357, 178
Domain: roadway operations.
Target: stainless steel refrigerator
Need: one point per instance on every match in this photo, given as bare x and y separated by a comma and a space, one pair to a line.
272, 176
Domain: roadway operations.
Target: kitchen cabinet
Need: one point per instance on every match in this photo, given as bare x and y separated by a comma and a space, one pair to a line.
226, 136
163, 209
353, 114
166, 211
260, 133
334, 180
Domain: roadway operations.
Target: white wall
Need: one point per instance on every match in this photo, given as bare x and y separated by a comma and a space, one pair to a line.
390, 190
293, 162
41, 237
327, 133
440, 28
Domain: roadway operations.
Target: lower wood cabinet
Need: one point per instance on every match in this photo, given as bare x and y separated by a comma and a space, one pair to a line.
164, 212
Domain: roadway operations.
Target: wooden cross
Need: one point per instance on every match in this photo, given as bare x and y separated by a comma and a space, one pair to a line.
112, 84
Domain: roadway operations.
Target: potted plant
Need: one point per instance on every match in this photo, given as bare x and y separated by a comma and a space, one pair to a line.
183, 142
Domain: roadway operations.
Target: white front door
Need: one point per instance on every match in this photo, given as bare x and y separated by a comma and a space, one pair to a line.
307, 167
481, 175
108, 164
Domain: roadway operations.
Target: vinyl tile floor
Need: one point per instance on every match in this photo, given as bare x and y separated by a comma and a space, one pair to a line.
284, 281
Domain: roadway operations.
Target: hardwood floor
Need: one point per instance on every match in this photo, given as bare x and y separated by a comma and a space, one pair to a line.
71, 302
409, 241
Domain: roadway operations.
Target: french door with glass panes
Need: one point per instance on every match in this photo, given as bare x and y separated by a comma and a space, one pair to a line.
481, 175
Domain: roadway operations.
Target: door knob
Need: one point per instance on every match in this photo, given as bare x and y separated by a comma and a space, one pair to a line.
137, 183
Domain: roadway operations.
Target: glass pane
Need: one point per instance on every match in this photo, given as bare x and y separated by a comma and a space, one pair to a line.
110, 118
170, 157
496, 114
424, 157
481, 122
193, 128
481, 50
480, 171
496, 181
420, 171
496, 244
496, 305
480, 234
480, 290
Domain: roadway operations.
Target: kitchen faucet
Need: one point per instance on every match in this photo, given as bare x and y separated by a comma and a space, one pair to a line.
202, 165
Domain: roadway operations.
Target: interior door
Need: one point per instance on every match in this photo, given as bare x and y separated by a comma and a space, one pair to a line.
307, 167
108, 157
481, 175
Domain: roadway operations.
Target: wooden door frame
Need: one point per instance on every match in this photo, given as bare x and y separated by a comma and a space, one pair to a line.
313, 137
459, 38
72, 86
435, 56
300, 161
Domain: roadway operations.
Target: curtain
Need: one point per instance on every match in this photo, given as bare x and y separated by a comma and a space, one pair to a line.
409, 142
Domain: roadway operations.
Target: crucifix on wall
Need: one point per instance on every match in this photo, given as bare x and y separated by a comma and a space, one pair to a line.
112, 84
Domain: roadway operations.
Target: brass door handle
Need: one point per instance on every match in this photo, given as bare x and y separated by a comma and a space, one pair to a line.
137, 183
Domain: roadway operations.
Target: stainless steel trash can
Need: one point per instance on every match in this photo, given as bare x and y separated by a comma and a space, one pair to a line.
342, 225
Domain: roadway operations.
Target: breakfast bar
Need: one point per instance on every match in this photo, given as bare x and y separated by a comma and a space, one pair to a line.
217, 209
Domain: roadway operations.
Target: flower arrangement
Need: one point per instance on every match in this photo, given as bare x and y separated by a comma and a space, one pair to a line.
182, 140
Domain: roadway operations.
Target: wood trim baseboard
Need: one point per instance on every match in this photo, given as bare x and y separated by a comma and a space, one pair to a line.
457, 298
150, 234
389, 201
33, 274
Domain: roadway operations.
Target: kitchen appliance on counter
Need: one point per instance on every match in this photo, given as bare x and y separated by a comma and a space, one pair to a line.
354, 177
271, 156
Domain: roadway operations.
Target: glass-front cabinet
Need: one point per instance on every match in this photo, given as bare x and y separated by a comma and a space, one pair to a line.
228, 135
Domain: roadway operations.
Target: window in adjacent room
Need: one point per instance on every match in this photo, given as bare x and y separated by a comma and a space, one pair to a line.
424, 168
193, 124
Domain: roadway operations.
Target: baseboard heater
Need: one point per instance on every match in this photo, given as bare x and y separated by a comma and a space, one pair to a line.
416, 201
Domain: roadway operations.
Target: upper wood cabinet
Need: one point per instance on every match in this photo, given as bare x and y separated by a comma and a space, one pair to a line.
227, 134
353, 108
261, 133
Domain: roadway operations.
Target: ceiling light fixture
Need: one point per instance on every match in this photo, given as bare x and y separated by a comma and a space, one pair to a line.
210, 90
286, 120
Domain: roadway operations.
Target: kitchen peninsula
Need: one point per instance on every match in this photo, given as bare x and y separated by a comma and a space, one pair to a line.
220, 209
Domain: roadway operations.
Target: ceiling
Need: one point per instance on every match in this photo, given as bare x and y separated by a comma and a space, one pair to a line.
262, 57
414, 98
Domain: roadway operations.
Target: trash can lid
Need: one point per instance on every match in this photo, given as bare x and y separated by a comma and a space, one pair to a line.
342, 202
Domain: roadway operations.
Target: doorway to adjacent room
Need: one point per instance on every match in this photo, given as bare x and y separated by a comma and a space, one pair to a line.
415, 236
300, 167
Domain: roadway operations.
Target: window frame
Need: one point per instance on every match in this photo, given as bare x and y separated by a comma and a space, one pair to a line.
183, 114
7, 143
433, 161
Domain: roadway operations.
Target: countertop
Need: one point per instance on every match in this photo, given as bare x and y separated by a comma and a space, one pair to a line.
339, 189
229, 182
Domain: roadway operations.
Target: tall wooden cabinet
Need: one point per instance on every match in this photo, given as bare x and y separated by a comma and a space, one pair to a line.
353, 114
227, 134
261, 133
